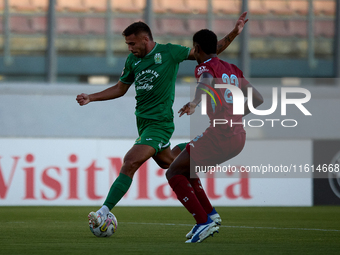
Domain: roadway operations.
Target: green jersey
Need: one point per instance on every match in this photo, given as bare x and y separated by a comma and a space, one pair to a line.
154, 76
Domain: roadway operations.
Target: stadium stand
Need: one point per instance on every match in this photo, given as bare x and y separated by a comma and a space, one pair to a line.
223, 26
125, 6
158, 6
173, 27
39, 24
70, 6
324, 28
1, 28
175, 6
226, 6
41, 5
196, 24
20, 25
69, 25
197, 6
297, 28
300, 7
276, 28
94, 26
96, 5
324, 7
256, 28
22, 5
256, 7
277, 7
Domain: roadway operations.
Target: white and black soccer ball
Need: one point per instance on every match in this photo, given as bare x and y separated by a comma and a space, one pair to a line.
107, 228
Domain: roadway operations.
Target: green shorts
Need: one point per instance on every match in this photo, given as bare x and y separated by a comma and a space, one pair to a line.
154, 133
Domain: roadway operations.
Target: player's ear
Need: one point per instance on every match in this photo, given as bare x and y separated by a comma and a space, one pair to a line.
197, 48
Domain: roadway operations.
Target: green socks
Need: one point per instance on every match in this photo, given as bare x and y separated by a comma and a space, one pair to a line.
182, 145
118, 189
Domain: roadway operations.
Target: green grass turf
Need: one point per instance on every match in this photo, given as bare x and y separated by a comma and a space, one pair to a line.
161, 230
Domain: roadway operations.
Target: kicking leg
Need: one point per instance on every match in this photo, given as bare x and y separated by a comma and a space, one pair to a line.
135, 157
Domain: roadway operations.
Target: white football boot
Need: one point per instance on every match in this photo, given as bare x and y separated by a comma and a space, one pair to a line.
203, 231
213, 215
95, 219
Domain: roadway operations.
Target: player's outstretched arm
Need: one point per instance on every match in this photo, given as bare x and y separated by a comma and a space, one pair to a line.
256, 98
113, 92
226, 41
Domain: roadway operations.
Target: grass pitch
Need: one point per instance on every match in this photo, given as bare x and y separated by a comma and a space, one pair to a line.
161, 230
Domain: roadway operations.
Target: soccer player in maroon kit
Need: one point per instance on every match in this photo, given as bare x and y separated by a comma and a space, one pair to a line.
217, 144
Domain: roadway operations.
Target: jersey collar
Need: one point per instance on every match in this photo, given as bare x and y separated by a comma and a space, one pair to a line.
153, 49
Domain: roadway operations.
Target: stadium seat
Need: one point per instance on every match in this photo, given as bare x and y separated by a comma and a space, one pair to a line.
256, 28
298, 28
173, 27
223, 26
195, 25
256, 7
69, 25
40, 5
94, 25
158, 6
175, 6
324, 28
279, 7
140, 4
325, 7
21, 5
226, 6
71, 6
125, 6
96, 5
20, 25
300, 7
118, 25
39, 24
197, 6
276, 28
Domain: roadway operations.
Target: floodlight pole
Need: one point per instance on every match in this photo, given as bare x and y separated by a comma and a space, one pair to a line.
244, 49
51, 50
337, 42
148, 14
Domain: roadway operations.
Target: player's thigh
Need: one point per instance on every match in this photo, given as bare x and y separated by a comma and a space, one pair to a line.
135, 157
164, 158
180, 166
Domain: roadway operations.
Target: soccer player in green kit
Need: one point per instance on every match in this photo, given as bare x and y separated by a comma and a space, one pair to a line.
153, 68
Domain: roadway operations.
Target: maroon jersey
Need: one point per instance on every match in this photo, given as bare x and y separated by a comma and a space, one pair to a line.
220, 106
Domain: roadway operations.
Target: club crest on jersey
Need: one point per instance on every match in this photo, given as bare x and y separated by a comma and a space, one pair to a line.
202, 69
158, 58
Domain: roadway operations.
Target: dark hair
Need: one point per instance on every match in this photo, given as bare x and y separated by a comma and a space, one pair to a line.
207, 40
137, 28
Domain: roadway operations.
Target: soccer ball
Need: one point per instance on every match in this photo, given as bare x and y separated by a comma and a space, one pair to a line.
107, 228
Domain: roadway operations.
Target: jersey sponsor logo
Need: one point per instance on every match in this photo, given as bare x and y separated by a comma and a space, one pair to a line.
144, 83
158, 58
145, 78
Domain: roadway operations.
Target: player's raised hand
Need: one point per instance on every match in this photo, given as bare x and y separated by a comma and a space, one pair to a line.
189, 109
83, 99
241, 22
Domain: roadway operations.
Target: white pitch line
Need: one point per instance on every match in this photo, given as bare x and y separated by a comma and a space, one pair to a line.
224, 226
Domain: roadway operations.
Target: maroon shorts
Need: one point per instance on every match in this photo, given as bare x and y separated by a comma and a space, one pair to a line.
209, 148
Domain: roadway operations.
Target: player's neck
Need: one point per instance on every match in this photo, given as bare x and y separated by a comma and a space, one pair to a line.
149, 47
207, 57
